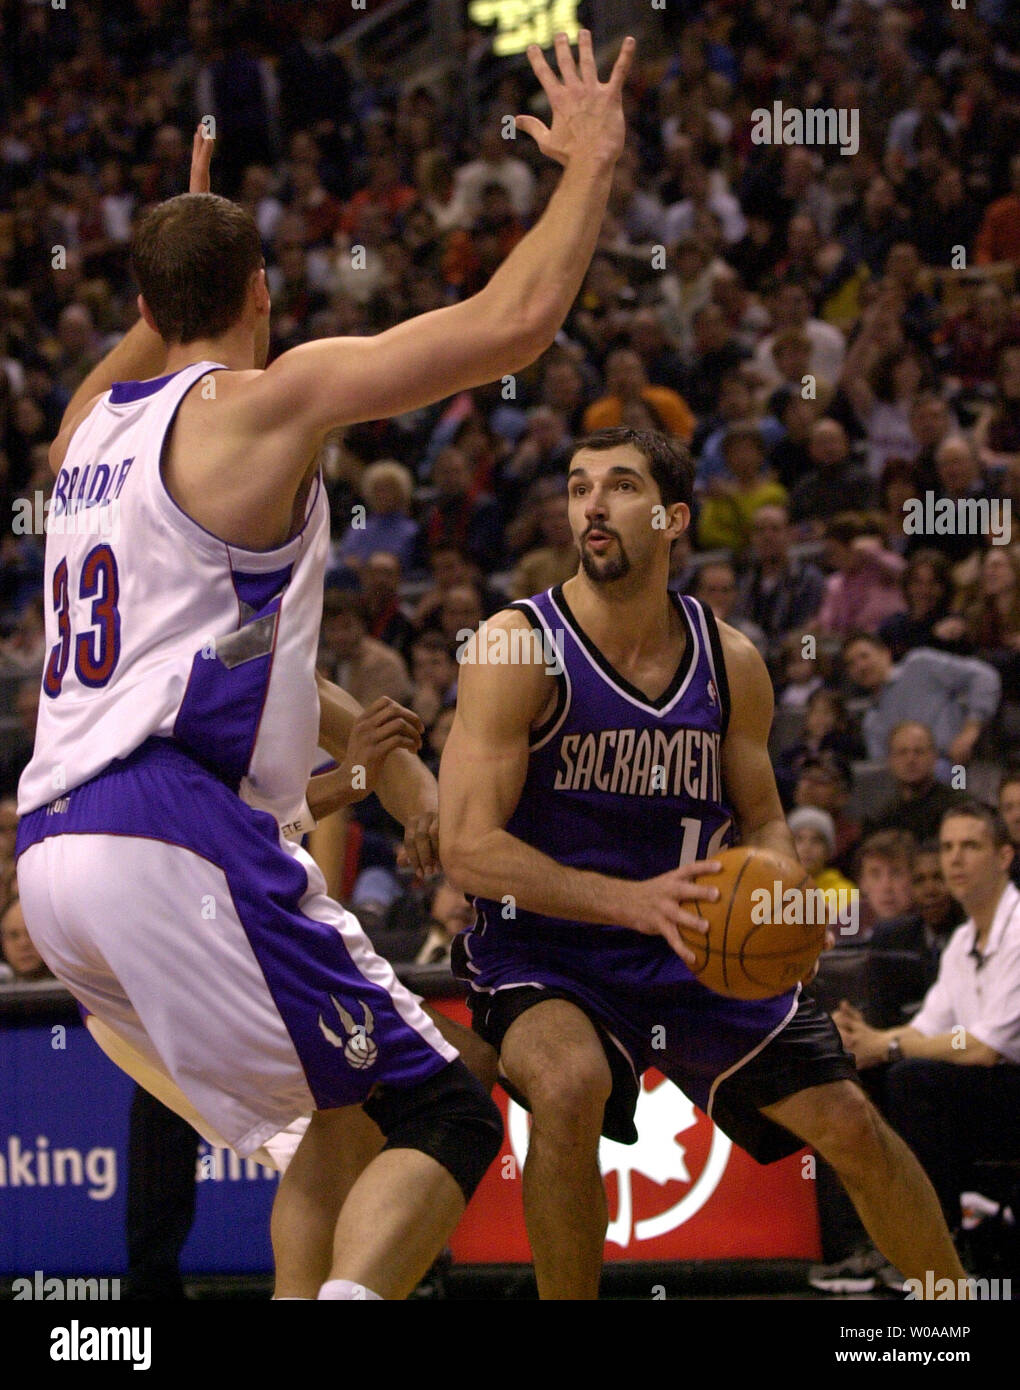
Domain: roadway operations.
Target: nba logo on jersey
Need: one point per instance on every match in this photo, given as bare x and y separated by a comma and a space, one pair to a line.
710, 691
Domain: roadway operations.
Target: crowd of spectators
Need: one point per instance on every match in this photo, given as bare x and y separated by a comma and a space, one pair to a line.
836, 336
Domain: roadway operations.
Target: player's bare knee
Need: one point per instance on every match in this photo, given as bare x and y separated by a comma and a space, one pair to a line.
570, 1101
850, 1133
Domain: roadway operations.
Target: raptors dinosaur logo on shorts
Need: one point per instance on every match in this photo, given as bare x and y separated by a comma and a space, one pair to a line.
360, 1051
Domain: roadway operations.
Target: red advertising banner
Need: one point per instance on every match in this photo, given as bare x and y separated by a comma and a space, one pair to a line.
682, 1192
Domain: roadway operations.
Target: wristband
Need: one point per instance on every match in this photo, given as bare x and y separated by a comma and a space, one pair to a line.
302, 824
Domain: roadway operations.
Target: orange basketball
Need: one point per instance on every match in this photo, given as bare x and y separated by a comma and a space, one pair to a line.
766, 929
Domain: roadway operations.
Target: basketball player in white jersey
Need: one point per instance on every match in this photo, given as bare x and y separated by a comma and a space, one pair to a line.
179, 714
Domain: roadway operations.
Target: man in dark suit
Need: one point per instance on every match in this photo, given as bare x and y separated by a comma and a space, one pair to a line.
919, 802
834, 478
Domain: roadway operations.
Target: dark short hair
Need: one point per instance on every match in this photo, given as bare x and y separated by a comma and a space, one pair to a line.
796, 280
734, 375
790, 337
992, 821
939, 565
836, 703
447, 548
892, 846
861, 634
709, 307
337, 602
880, 376
895, 470
669, 462
193, 257
836, 768
845, 527
747, 432
707, 565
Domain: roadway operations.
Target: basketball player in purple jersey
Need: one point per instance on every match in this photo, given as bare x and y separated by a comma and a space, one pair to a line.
610, 737
180, 716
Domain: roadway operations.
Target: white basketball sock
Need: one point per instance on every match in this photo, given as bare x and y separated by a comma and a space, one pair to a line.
346, 1289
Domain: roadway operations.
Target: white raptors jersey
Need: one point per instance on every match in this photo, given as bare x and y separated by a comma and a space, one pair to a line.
156, 628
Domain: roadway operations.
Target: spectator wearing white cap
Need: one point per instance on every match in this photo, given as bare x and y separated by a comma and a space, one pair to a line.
814, 834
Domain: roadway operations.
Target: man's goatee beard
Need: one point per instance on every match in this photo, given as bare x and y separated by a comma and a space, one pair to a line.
616, 568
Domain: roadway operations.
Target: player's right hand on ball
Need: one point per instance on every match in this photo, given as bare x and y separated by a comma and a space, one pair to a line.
587, 115
655, 906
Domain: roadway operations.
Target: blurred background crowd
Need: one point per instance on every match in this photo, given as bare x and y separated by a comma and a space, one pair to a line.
833, 334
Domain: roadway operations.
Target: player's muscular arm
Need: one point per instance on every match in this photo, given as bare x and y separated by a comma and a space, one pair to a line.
482, 773
746, 766
405, 786
321, 385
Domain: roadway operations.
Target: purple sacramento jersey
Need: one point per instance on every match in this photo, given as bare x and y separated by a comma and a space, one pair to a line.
631, 788
617, 783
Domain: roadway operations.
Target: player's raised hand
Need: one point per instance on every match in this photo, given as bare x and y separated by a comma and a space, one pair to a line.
587, 115
654, 906
201, 156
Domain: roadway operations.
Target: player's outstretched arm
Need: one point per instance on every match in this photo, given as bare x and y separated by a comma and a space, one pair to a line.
321, 385
482, 773
746, 766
